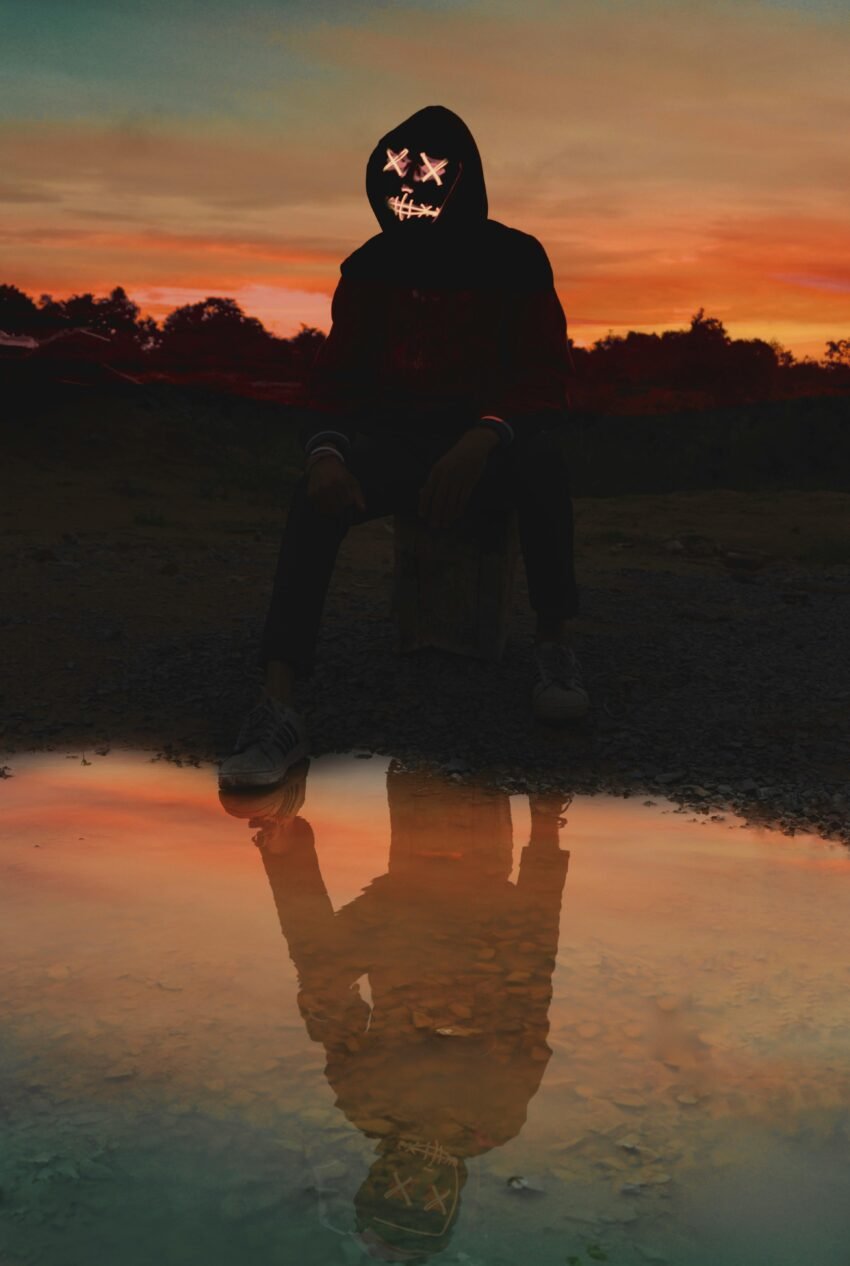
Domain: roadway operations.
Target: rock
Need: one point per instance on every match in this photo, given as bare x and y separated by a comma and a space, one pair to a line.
628, 1100
668, 1003
121, 1072
589, 1029
251, 1200
600, 1117
631, 1188
522, 1187
461, 1010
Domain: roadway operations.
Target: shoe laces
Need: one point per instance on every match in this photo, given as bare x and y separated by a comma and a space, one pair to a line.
557, 665
262, 725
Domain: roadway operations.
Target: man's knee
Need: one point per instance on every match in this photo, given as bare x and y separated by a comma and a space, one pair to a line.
542, 457
543, 444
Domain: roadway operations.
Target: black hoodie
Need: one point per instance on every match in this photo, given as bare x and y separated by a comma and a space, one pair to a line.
437, 322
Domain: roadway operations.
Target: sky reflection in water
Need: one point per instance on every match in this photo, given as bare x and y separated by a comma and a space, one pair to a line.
482, 1037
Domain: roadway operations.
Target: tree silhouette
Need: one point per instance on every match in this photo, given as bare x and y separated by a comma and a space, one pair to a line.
115, 316
709, 331
18, 313
689, 368
214, 331
838, 353
684, 368
304, 347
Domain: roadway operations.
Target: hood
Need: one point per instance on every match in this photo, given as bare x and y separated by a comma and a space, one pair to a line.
456, 191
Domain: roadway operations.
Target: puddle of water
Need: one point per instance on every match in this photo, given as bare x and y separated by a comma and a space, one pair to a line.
392, 1028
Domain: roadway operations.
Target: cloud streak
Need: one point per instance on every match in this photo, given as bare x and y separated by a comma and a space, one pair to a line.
668, 155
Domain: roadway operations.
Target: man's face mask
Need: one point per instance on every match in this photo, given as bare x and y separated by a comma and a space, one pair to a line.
418, 182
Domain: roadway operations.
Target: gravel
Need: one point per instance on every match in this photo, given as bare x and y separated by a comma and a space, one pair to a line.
710, 689
715, 694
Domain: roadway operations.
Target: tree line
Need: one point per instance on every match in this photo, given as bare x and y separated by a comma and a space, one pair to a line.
680, 368
212, 334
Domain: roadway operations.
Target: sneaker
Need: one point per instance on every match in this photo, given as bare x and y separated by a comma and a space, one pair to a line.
272, 739
259, 805
558, 694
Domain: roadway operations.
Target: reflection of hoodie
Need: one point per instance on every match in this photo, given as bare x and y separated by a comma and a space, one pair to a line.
459, 961
438, 324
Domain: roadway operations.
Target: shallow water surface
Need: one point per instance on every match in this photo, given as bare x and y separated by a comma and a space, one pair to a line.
373, 1015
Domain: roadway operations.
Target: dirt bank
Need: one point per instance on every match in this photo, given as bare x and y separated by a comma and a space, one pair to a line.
713, 633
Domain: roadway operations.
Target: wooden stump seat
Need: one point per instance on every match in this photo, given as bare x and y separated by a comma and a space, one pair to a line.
453, 588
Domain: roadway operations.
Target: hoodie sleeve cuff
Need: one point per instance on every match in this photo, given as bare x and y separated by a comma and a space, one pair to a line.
323, 450
503, 429
328, 439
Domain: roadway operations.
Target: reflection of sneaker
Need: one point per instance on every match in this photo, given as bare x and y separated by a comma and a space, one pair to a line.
558, 694
548, 817
267, 804
272, 739
274, 810
550, 806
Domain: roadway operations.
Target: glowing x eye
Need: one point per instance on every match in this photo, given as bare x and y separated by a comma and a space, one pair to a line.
434, 167
397, 162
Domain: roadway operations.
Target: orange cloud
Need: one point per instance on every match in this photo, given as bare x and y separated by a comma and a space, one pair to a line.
758, 273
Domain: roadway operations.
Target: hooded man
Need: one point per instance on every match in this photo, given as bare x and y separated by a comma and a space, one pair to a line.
438, 388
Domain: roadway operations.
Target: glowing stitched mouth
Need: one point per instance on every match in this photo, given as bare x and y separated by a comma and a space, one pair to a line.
406, 209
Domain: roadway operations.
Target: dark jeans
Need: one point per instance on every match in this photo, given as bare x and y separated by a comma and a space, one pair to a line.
529, 474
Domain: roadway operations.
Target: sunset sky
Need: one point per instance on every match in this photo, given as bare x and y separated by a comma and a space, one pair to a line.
669, 154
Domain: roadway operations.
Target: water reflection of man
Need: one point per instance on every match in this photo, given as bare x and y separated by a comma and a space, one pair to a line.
459, 960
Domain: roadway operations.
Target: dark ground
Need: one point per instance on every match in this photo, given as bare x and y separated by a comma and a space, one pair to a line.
714, 636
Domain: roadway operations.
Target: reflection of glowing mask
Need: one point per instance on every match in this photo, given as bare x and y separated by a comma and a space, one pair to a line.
435, 173
411, 1197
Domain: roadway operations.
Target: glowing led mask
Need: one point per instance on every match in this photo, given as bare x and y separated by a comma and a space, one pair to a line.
424, 170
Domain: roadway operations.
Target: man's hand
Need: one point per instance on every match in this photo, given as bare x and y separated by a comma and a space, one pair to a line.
331, 486
452, 479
